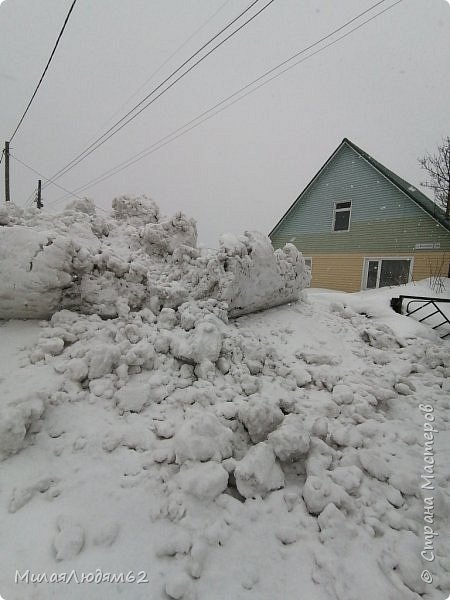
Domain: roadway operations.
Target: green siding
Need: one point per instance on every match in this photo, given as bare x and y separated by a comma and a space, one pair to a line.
383, 218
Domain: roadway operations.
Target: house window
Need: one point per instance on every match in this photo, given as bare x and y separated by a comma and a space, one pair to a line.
342, 211
382, 272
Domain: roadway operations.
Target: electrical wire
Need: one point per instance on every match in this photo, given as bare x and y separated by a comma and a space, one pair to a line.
159, 69
45, 70
193, 123
44, 177
112, 130
27, 202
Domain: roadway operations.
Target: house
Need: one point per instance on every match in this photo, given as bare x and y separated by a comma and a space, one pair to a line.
361, 226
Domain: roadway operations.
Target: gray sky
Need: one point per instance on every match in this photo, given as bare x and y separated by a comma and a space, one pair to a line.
385, 86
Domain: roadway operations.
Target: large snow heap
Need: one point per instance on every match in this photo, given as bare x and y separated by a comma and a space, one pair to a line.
153, 435
135, 258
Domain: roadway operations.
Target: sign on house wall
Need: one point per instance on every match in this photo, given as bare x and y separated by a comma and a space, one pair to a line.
428, 246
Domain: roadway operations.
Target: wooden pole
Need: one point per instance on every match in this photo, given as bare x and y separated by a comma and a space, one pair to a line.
7, 197
39, 197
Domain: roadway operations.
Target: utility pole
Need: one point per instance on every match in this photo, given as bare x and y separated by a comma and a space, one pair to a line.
39, 197
7, 198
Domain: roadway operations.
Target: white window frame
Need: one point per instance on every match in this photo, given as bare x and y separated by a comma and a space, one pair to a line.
368, 259
336, 210
305, 258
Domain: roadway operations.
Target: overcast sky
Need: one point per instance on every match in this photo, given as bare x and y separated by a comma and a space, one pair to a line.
386, 87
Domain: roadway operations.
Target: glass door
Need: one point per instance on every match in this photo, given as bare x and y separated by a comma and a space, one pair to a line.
383, 272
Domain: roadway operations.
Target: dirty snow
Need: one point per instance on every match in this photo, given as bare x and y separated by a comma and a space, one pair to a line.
268, 456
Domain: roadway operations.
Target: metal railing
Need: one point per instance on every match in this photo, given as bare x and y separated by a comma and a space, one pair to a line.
397, 303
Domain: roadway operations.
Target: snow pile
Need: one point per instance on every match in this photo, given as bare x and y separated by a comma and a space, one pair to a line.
137, 258
143, 431
293, 435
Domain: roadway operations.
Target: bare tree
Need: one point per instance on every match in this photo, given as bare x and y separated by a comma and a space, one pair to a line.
438, 168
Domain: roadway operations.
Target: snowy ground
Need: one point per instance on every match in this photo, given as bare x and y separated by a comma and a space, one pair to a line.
279, 455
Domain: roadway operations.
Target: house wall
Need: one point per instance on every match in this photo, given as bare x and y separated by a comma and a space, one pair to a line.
384, 222
383, 218
344, 271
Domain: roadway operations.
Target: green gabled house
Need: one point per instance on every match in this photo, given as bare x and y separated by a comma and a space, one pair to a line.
361, 226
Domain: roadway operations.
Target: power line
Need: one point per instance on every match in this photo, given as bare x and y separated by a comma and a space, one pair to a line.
45, 70
193, 123
168, 59
108, 134
44, 177
49, 181
190, 125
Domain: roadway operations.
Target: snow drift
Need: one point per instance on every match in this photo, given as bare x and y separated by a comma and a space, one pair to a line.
179, 442
135, 258
152, 435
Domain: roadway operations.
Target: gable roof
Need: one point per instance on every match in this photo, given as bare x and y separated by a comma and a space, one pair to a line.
409, 190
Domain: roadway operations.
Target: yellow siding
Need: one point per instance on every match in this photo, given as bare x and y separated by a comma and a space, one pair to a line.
427, 264
337, 271
344, 271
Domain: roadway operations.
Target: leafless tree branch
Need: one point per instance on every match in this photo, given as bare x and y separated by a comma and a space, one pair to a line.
437, 167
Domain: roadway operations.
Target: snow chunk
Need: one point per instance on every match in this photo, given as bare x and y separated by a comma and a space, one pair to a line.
36, 267
260, 417
178, 586
132, 397
141, 354
178, 542
77, 369
21, 496
374, 464
203, 437
83, 205
258, 473
348, 477
318, 492
69, 540
16, 419
167, 235
342, 394
291, 440
205, 481
103, 358
203, 343
135, 210
256, 277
